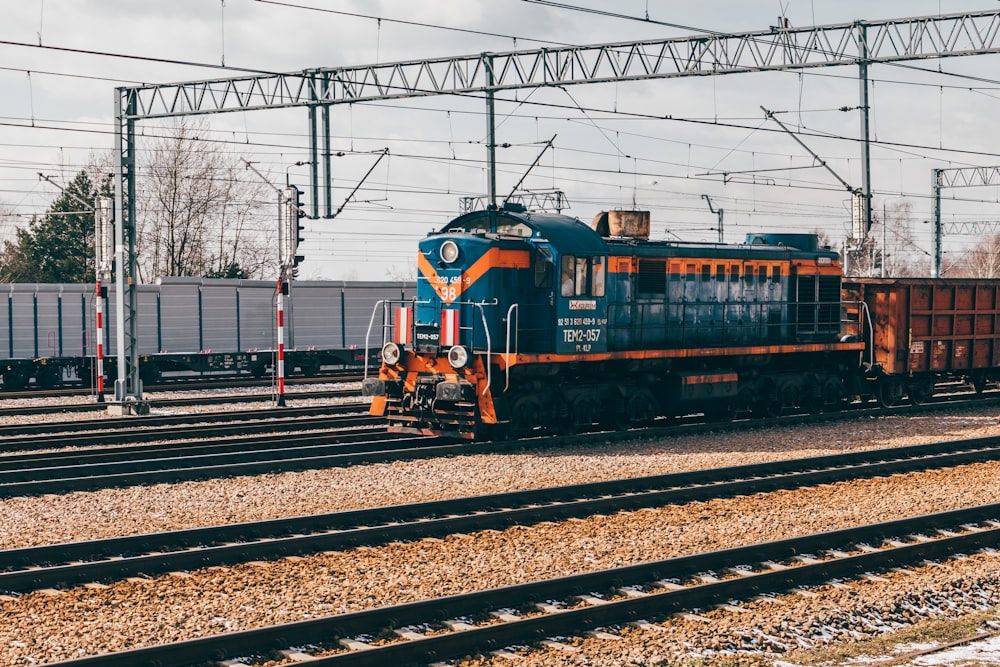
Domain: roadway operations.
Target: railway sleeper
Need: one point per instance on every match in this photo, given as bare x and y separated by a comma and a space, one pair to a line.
450, 627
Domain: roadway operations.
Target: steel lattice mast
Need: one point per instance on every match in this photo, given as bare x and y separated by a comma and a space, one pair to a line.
860, 43
959, 177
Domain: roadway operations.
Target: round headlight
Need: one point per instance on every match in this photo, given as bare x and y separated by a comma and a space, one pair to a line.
390, 353
449, 251
458, 357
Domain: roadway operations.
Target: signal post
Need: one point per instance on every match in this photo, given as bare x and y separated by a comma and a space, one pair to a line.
290, 211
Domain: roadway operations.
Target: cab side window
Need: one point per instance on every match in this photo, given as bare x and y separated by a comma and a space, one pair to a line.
567, 279
543, 268
597, 276
582, 276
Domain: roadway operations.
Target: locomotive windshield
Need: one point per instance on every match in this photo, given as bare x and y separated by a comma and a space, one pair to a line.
511, 227
504, 226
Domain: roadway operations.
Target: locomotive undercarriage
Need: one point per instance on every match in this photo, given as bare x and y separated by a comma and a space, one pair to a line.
427, 396
614, 396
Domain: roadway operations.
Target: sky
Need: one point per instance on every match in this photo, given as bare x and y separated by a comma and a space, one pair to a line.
662, 145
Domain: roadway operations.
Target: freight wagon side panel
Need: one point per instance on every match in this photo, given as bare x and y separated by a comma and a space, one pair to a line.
146, 325
149, 323
986, 332
257, 316
179, 316
48, 307
359, 301
925, 325
22, 310
5, 343
220, 330
315, 315
74, 320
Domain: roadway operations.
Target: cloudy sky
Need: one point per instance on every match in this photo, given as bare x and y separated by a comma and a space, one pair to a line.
659, 145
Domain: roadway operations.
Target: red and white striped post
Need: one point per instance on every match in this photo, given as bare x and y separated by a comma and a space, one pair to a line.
99, 318
281, 344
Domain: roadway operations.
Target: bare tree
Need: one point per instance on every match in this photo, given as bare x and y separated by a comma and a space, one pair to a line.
195, 207
980, 261
398, 273
890, 248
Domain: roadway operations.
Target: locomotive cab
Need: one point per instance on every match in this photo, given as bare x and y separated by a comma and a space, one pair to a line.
491, 285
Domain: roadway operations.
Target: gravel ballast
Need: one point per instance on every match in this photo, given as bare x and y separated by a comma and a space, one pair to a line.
43, 626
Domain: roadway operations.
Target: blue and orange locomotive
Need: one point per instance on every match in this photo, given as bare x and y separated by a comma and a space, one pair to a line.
526, 322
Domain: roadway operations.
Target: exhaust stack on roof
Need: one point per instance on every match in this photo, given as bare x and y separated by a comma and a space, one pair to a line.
629, 224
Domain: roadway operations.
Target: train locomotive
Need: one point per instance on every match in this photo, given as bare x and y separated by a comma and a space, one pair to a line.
526, 322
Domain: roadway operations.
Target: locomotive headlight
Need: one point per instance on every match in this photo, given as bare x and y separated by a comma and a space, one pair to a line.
458, 357
390, 353
449, 252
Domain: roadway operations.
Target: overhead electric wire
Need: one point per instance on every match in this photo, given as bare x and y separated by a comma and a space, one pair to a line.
128, 56
830, 136
418, 24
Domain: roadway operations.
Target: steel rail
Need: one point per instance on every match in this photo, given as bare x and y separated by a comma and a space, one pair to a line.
83, 562
193, 384
166, 427
167, 403
761, 571
286, 458
351, 431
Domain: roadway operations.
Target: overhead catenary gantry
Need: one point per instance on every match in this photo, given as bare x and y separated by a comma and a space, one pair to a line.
860, 43
959, 177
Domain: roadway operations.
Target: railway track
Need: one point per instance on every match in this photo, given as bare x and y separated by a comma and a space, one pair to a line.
170, 403
665, 428
194, 384
213, 451
50, 566
470, 623
224, 458
166, 427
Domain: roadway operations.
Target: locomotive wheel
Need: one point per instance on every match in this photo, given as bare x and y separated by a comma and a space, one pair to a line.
641, 408
722, 411
582, 413
813, 401
746, 399
890, 392
525, 416
791, 397
833, 392
767, 407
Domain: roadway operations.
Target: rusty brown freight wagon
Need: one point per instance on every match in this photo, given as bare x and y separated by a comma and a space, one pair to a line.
925, 331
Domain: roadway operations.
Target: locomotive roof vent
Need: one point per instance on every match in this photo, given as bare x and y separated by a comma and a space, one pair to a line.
514, 207
803, 242
628, 224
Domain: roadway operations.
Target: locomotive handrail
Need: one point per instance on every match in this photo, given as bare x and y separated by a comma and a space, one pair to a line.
371, 322
383, 303
870, 344
489, 342
506, 361
486, 330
